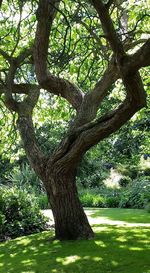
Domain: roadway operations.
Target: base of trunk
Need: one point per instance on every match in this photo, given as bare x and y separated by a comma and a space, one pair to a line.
74, 231
71, 223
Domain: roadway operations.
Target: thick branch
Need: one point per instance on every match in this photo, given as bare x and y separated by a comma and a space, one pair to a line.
27, 105
128, 44
88, 135
93, 133
142, 57
84, 137
36, 158
108, 27
5, 55
108, 125
10, 102
22, 88
92, 100
45, 16
129, 67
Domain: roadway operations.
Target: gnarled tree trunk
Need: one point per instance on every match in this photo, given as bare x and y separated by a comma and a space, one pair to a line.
58, 178
70, 220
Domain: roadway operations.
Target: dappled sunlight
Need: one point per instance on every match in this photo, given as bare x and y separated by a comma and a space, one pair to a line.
114, 263
27, 262
121, 239
125, 246
136, 248
125, 217
68, 260
100, 243
39, 253
130, 217
23, 241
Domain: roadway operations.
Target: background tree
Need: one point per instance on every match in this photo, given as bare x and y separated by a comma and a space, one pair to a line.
93, 42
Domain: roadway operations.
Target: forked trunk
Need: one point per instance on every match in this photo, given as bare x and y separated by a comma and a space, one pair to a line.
71, 222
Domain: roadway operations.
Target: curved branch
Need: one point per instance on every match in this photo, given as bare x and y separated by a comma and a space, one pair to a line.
21, 88
86, 136
45, 16
36, 158
10, 102
108, 27
8, 89
142, 57
92, 100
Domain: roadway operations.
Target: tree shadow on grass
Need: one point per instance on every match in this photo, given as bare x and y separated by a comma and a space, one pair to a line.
122, 250
127, 215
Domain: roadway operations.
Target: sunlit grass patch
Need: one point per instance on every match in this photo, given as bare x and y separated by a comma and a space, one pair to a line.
115, 249
115, 214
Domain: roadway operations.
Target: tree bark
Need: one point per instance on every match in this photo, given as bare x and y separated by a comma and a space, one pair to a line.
59, 180
71, 223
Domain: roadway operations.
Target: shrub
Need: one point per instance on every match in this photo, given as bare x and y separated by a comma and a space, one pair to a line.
2, 223
43, 201
99, 201
146, 171
137, 194
87, 199
131, 171
20, 213
91, 198
124, 181
124, 199
148, 207
113, 202
26, 178
91, 173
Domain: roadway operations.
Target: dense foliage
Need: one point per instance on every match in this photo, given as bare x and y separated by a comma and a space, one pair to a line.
19, 213
135, 195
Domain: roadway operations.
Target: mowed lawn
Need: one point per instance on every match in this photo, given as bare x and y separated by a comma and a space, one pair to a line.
122, 246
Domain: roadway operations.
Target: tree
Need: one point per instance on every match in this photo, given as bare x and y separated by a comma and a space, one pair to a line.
59, 46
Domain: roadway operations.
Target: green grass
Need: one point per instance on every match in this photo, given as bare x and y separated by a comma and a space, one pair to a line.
116, 249
126, 215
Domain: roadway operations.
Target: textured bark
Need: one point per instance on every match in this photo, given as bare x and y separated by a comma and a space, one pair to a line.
108, 27
35, 156
70, 220
19, 88
45, 15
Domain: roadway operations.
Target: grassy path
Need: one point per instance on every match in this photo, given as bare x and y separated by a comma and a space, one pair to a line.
115, 248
